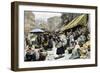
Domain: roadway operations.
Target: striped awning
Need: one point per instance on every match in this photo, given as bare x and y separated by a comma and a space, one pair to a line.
80, 20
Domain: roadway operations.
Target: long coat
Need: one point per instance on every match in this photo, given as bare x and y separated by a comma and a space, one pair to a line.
60, 49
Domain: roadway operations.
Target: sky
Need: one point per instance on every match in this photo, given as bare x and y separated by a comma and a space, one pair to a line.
45, 15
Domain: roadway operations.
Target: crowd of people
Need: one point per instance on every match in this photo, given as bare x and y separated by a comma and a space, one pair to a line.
75, 41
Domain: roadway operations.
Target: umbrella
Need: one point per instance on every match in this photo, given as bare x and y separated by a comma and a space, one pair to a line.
37, 30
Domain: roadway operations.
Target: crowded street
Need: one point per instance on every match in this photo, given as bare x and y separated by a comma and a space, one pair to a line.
71, 41
55, 46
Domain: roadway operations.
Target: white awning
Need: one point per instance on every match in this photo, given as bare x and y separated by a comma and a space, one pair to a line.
37, 30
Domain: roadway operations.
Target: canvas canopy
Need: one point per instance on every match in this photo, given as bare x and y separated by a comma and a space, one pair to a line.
80, 20
36, 30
